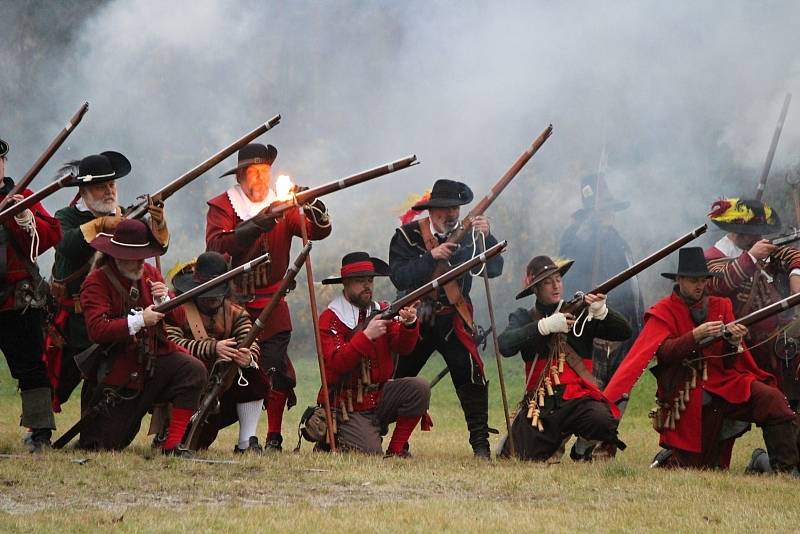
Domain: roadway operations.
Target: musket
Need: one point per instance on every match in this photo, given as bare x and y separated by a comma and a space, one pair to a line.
785, 239
136, 211
110, 399
762, 182
754, 317
577, 303
455, 272
301, 198
220, 381
457, 234
38, 196
480, 338
208, 285
54, 145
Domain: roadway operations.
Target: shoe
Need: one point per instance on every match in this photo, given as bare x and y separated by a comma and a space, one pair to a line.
661, 458
759, 463
37, 441
575, 456
178, 452
274, 441
253, 446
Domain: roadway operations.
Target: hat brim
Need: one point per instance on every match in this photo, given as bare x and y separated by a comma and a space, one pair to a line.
617, 205
749, 229
272, 155
104, 244
701, 274
440, 203
185, 282
381, 269
4, 148
528, 290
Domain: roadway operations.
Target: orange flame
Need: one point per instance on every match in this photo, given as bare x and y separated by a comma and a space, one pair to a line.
283, 188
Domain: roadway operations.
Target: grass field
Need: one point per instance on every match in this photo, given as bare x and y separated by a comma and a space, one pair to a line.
441, 489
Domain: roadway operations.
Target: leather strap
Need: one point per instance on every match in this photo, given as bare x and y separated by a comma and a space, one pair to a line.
451, 289
574, 360
195, 321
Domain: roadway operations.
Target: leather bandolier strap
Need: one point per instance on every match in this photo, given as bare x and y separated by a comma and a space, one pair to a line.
451, 289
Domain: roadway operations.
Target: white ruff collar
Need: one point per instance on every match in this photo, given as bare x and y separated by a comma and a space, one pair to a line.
244, 207
728, 248
346, 312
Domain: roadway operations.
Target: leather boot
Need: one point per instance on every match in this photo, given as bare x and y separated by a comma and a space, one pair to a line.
475, 403
37, 414
781, 442
759, 463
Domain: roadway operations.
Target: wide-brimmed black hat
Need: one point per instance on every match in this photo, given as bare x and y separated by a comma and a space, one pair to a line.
357, 264
692, 264
446, 194
131, 240
253, 154
209, 265
596, 196
4, 148
102, 167
744, 216
540, 268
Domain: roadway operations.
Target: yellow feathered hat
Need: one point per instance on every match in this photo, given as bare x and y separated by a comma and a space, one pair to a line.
744, 216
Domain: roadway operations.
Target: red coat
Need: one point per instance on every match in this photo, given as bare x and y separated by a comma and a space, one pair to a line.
49, 230
343, 350
106, 323
220, 224
669, 320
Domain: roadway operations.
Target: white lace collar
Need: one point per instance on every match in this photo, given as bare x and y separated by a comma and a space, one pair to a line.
346, 312
728, 247
244, 207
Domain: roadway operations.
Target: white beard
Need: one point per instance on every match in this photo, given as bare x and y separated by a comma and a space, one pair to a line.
102, 207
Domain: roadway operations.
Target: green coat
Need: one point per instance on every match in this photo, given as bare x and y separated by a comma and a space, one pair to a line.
72, 253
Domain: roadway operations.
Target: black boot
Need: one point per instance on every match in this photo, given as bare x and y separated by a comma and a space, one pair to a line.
781, 442
274, 442
475, 403
37, 414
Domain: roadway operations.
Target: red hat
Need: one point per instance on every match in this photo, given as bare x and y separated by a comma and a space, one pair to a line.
132, 240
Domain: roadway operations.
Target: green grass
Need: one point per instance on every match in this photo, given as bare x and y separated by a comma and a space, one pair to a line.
441, 489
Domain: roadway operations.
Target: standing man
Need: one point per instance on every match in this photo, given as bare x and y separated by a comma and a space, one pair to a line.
699, 386
94, 209
600, 252
755, 273
413, 253
359, 363
237, 225
140, 367
212, 330
562, 397
22, 295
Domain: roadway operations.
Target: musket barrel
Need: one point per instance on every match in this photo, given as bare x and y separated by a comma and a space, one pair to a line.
759, 315
655, 257
309, 195
210, 284
139, 210
48, 153
38, 196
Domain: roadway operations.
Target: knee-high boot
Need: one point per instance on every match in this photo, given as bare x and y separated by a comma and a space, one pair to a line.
475, 403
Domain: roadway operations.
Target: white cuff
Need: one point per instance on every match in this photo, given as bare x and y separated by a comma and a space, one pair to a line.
135, 322
794, 272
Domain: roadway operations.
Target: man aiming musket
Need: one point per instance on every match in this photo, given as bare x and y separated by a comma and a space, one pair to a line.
243, 222
704, 373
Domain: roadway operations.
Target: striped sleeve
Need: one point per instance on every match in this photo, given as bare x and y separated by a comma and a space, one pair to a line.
735, 274
241, 328
205, 350
788, 257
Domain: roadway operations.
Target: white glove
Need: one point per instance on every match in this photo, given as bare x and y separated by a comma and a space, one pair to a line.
598, 310
556, 323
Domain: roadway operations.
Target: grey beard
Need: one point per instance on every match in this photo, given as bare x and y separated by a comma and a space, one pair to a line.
102, 207
134, 276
